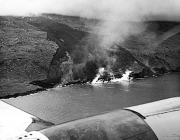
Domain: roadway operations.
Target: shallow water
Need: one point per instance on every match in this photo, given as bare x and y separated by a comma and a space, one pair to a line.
77, 101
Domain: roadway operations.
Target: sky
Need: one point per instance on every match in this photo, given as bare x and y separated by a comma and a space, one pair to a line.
116, 14
111, 9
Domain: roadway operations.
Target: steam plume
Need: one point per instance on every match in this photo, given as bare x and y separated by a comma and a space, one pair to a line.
115, 14
123, 10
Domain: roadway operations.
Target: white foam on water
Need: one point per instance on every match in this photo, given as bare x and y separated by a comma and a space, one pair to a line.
125, 77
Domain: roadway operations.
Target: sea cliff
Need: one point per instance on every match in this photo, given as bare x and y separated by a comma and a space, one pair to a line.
41, 52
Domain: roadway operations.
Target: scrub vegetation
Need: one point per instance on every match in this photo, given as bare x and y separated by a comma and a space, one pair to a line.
40, 52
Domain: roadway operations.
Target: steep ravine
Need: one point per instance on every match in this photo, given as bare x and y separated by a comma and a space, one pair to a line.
67, 69
45, 52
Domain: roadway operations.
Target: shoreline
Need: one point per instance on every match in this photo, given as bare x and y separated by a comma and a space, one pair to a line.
16, 95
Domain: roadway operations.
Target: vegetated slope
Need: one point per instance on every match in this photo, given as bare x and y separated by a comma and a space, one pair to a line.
154, 49
25, 55
53, 49
67, 38
79, 61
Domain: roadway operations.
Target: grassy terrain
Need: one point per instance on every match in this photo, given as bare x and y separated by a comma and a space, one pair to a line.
54, 49
25, 55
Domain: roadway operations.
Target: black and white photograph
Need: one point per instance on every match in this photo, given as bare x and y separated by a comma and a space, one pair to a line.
89, 69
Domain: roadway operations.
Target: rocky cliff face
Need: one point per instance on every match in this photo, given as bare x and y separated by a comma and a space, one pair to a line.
80, 60
52, 49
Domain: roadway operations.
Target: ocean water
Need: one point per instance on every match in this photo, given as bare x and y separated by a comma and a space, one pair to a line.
69, 103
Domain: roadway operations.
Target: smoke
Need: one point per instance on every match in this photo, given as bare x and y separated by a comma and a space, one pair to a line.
121, 10
115, 14
119, 18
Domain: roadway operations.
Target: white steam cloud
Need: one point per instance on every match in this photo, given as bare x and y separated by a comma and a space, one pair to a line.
105, 9
116, 14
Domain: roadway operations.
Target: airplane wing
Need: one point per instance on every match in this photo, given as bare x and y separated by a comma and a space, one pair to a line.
15, 122
152, 121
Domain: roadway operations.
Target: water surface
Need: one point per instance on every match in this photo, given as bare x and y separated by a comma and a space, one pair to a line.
77, 101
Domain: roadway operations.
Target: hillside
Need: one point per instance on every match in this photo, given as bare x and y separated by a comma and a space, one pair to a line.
53, 49
25, 55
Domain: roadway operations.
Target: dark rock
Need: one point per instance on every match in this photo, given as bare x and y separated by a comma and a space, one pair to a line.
47, 51
178, 69
160, 70
144, 73
14, 95
43, 83
135, 54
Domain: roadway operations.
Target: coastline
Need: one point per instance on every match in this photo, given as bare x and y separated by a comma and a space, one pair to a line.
38, 53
